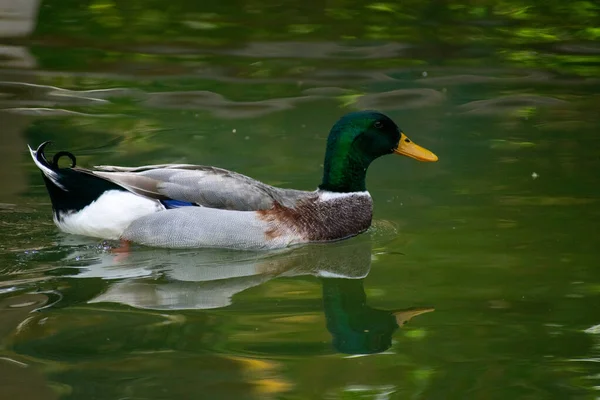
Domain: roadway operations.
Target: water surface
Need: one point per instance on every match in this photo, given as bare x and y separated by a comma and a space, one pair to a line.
479, 278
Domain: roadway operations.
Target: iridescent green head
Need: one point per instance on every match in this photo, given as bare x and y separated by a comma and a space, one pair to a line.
355, 141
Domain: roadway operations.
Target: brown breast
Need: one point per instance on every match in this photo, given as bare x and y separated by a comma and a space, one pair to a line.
315, 220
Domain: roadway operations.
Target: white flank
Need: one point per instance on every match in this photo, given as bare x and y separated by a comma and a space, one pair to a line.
326, 195
45, 170
109, 216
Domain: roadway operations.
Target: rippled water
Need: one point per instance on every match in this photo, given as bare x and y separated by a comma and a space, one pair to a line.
479, 278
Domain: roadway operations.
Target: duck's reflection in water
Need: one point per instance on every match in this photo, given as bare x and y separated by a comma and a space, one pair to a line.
208, 279
355, 327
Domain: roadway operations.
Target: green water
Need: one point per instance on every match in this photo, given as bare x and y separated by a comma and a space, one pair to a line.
500, 236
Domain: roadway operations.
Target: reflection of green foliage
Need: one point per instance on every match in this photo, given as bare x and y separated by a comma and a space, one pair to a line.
349, 100
526, 112
302, 28
540, 34
385, 7
415, 334
515, 32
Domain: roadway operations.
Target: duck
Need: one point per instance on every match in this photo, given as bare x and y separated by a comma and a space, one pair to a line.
197, 206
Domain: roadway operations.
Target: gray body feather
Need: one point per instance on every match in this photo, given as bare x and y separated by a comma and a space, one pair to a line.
206, 186
194, 227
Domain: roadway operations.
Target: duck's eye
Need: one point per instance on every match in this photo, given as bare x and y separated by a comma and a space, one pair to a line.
378, 124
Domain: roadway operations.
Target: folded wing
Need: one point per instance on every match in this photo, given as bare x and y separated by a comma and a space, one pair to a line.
201, 185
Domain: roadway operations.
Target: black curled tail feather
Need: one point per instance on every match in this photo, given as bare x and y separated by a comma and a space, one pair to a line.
40, 155
70, 189
60, 154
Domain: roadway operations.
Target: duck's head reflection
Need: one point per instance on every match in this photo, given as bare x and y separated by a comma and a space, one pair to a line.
355, 327
208, 279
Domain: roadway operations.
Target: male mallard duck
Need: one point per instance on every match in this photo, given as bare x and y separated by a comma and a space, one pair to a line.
182, 205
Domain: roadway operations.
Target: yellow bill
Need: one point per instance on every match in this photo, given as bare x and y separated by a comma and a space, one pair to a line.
407, 148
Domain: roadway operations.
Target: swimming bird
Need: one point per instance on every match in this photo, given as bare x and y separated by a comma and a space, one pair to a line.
195, 206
